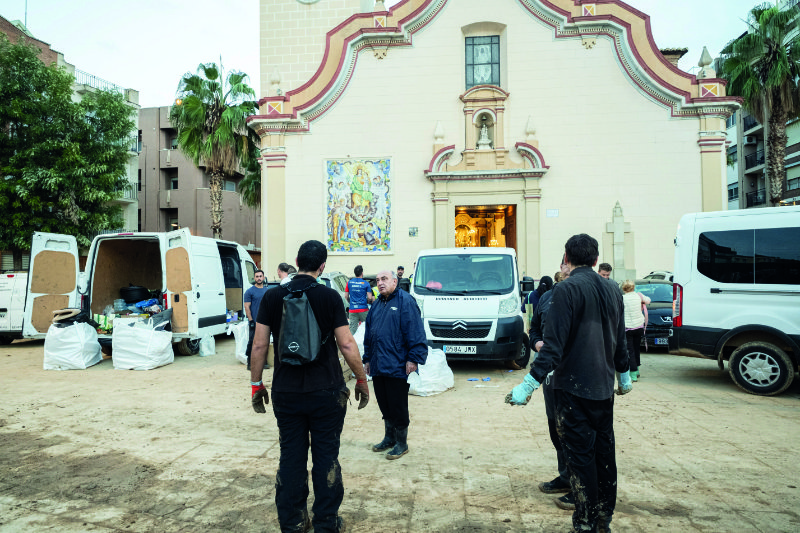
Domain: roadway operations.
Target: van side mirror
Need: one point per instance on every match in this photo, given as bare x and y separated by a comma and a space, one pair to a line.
527, 284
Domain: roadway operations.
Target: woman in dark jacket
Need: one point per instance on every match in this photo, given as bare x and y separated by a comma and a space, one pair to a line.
532, 299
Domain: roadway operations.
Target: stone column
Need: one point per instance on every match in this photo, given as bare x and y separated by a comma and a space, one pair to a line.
442, 219
529, 256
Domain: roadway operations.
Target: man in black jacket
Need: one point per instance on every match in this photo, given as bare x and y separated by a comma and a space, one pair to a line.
584, 342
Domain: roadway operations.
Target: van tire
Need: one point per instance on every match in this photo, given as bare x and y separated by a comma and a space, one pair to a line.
188, 346
525, 356
761, 368
4, 340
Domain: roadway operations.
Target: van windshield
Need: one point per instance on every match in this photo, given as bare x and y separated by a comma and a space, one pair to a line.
464, 273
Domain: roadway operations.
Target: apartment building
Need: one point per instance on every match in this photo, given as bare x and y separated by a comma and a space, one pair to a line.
173, 192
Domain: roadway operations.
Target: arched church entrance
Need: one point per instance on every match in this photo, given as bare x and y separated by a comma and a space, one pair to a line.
485, 226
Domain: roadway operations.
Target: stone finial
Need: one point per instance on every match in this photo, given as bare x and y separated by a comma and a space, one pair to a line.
275, 81
379, 7
530, 130
438, 133
705, 69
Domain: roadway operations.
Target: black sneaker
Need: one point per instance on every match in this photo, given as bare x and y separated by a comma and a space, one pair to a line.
554, 487
566, 502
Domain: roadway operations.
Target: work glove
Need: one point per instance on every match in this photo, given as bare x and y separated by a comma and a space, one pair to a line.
520, 394
625, 383
259, 398
362, 393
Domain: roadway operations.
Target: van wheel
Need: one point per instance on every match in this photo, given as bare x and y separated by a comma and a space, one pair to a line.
188, 346
525, 356
761, 368
5, 340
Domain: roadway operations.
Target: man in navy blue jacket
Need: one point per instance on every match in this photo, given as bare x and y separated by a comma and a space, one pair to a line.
394, 344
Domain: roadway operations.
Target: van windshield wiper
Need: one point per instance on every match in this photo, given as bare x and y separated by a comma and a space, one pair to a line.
442, 291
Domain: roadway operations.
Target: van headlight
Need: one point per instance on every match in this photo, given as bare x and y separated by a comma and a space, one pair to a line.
509, 305
420, 304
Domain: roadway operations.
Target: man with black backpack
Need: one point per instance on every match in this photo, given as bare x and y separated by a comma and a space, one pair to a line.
309, 395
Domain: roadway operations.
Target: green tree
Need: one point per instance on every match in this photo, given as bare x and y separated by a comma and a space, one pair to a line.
62, 162
250, 186
763, 67
211, 119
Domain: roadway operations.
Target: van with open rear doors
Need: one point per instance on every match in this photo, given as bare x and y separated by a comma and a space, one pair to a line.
199, 278
736, 294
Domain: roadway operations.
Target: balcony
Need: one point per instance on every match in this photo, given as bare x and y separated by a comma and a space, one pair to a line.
749, 122
757, 198
753, 160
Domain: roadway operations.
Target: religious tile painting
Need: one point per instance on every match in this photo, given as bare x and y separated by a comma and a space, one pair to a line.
359, 205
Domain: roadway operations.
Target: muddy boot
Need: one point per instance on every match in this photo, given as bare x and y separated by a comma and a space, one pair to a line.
401, 448
388, 439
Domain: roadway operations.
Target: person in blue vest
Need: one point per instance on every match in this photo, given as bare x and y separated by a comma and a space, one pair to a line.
359, 295
394, 346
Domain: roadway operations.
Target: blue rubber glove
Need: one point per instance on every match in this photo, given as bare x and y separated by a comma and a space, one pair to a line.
520, 394
625, 383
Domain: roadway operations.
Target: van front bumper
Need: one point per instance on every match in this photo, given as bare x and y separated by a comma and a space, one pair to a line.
506, 344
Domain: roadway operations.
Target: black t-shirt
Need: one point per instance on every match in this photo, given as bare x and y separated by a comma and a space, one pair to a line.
325, 372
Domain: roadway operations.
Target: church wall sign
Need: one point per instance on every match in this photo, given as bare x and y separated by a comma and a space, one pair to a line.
358, 216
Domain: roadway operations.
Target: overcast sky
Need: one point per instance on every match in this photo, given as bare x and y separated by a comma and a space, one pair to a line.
148, 45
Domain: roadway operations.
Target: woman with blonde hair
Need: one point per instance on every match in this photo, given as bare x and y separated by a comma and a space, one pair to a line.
635, 321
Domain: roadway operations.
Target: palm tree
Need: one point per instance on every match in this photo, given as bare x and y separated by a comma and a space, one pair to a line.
763, 67
210, 115
250, 186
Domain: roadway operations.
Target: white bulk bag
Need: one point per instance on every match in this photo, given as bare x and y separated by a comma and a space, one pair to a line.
140, 348
433, 377
359, 337
73, 347
207, 346
241, 333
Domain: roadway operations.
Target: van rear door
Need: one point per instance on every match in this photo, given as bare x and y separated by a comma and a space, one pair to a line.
208, 286
52, 281
178, 268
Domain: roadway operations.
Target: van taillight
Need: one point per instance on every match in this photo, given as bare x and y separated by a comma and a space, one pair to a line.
166, 302
677, 305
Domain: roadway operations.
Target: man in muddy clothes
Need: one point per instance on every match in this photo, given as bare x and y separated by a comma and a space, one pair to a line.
394, 344
308, 400
584, 343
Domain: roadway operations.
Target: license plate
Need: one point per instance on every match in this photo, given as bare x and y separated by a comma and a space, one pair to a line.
662, 341
460, 349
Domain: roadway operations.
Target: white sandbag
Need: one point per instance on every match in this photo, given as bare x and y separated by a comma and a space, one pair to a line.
73, 347
140, 348
359, 337
241, 333
207, 346
433, 377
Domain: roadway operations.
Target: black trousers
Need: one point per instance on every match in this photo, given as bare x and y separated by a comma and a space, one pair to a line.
586, 428
550, 408
320, 415
392, 397
634, 338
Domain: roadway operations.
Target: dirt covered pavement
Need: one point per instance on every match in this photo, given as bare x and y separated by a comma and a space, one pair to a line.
180, 449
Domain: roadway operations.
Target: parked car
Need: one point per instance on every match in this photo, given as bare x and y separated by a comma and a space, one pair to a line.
338, 282
659, 274
659, 311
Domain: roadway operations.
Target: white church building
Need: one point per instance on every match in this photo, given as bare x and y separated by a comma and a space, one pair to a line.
440, 123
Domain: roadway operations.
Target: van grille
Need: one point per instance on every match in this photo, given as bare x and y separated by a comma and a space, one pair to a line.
458, 329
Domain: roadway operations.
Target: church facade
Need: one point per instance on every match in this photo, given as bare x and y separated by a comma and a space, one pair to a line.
518, 123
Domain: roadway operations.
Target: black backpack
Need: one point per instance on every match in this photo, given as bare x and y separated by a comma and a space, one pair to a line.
300, 338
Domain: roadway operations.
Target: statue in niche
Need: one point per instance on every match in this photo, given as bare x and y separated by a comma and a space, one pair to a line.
484, 142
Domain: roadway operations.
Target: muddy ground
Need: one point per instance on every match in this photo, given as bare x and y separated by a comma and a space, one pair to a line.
180, 449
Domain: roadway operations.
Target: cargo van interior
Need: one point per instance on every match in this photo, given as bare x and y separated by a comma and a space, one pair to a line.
123, 262
232, 274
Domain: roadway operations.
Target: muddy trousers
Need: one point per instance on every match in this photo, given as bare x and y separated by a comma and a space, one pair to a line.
392, 397
550, 408
586, 428
320, 416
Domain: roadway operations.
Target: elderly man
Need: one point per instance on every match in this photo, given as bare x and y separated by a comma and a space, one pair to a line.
394, 344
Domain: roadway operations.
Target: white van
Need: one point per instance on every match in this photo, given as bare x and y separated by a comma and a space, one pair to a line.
470, 304
12, 304
200, 279
736, 294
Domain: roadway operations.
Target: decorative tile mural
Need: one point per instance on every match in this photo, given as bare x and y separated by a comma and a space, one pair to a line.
359, 205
